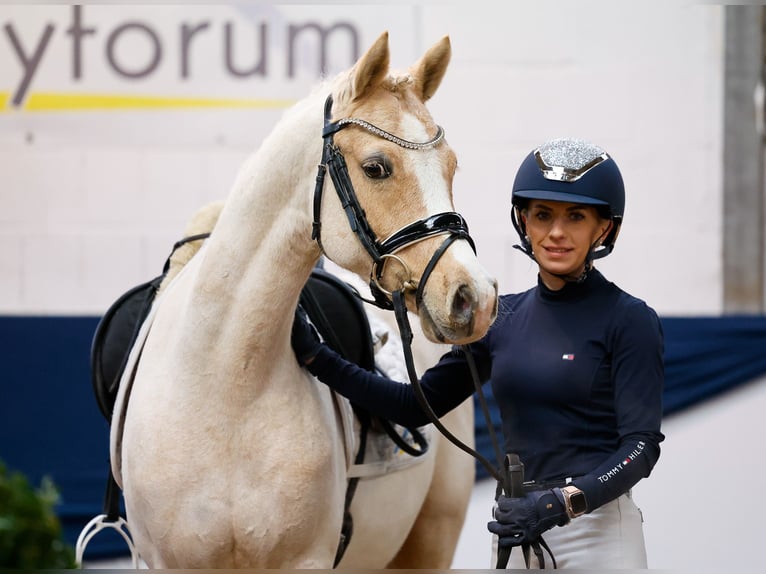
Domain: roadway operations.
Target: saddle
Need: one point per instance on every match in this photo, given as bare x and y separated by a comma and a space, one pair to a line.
331, 303
328, 301
114, 338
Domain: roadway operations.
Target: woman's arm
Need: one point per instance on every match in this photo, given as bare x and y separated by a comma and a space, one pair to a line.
445, 385
638, 375
633, 461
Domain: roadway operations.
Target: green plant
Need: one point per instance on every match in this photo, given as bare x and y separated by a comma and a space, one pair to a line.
30, 532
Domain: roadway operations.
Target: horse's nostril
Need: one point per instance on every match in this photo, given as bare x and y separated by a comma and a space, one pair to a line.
463, 305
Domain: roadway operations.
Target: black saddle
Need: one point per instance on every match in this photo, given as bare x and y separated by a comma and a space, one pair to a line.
336, 310
114, 337
331, 304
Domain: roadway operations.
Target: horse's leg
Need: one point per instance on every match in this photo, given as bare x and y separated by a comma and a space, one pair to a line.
433, 539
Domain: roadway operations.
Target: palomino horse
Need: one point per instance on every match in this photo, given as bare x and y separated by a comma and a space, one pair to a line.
228, 453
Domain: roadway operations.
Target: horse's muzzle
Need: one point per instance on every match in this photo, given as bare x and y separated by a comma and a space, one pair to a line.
469, 316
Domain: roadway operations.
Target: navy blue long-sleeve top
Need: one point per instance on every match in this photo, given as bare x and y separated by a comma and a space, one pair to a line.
577, 375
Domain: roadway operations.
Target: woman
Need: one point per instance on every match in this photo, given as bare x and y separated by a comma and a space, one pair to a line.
575, 363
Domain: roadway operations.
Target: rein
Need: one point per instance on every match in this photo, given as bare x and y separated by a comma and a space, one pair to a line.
509, 472
450, 223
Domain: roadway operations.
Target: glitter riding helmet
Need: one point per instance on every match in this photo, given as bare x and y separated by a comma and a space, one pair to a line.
573, 171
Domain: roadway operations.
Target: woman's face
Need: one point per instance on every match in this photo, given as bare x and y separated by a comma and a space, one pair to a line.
561, 235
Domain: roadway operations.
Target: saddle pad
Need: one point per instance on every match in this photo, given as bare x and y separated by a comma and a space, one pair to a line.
114, 337
382, 455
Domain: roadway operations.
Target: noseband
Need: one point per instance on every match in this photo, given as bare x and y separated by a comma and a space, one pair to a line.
450, 223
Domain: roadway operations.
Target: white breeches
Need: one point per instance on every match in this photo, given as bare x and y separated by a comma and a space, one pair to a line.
609, 538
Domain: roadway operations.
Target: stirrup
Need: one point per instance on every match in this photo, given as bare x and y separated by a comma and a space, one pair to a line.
98, 524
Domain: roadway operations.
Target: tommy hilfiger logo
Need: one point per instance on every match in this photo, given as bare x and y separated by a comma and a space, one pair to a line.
621, 465
569, 357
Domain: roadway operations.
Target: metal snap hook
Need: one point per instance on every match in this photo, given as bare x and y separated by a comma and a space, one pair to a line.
409, 285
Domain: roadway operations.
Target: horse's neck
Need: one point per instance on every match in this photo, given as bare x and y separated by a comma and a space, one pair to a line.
260, 254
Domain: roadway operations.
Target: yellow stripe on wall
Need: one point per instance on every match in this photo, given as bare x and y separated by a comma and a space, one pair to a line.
59, 102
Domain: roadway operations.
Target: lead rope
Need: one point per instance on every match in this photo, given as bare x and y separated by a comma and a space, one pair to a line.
511, 477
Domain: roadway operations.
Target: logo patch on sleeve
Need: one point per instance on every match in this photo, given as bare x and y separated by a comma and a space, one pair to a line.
569, 357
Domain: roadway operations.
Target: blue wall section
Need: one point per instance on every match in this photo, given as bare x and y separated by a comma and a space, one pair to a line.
50, 423
705, 356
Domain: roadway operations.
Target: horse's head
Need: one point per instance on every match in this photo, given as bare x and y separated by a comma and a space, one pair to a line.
395, 221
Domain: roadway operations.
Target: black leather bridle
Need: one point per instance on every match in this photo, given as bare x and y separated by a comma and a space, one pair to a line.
450, 223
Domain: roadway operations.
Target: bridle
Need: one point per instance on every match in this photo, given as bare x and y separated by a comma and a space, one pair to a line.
448, 223
509, 471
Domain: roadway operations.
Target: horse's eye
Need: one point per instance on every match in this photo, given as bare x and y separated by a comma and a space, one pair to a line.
376, 168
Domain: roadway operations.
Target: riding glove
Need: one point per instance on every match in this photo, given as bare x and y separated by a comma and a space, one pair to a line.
523, 519
304, 338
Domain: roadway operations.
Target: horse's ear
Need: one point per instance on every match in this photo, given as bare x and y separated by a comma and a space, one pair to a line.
372, 68
429, 71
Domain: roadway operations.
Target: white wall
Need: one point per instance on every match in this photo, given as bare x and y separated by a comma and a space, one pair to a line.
91, 200
641, 79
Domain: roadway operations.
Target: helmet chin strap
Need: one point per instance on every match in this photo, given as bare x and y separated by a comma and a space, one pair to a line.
588, 263
526, 248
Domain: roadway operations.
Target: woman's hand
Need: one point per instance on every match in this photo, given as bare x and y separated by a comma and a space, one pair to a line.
304, 338
524, 519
